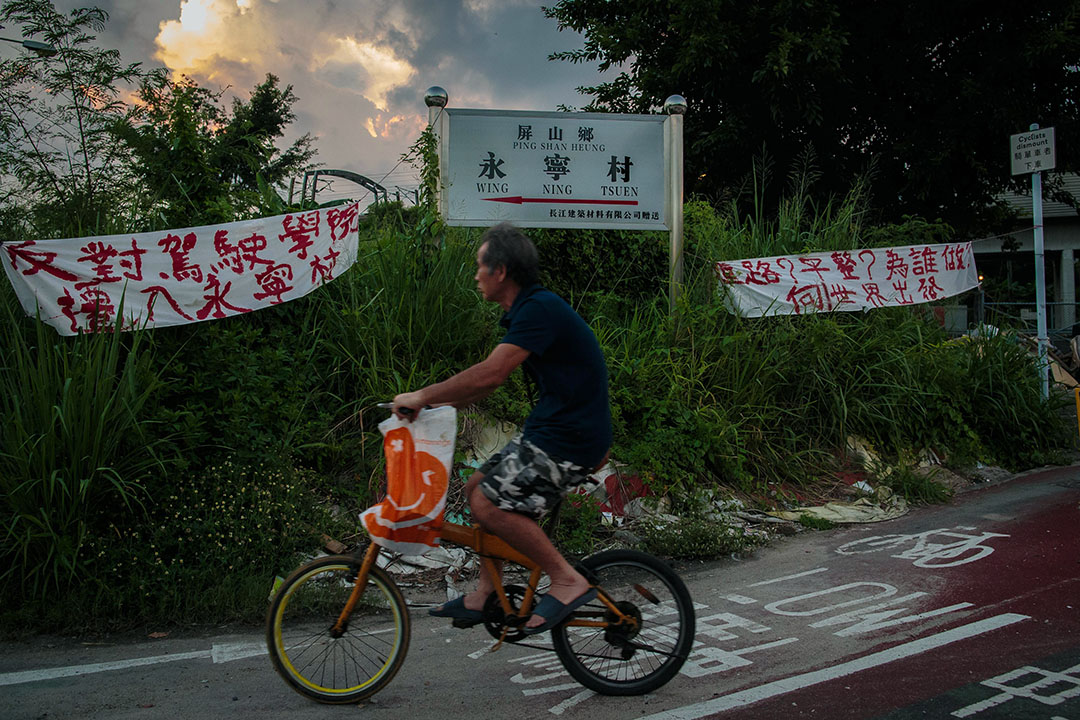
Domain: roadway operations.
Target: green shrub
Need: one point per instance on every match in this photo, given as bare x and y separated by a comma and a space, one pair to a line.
814, 522
917, 488
210, 549
250, 386
706, 398
97, 429
582, 264
693, 538
577, 526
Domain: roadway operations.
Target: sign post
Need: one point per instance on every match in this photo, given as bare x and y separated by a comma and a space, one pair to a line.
1032, 152
675, 107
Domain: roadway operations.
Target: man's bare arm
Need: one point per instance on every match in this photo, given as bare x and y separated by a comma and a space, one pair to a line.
471, 384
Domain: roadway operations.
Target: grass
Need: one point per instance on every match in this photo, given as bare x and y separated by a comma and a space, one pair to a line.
812, 522
692, 539
112, 446
918, 488
72, 445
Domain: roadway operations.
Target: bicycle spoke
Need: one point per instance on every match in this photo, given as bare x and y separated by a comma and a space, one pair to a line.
636, 657
353, 665
380, 653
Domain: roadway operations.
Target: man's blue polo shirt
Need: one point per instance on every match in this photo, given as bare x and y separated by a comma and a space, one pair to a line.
572, 417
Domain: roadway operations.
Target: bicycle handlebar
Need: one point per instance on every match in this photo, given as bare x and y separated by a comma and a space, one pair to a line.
390, 406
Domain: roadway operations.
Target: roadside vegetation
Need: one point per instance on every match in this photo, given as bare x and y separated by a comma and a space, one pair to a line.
170, 475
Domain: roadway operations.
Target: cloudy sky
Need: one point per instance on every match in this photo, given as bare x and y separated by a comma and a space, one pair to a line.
360, 68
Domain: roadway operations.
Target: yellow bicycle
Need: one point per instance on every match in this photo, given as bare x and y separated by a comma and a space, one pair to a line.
338, 627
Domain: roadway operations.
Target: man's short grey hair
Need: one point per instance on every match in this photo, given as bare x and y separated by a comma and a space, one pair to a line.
508, 247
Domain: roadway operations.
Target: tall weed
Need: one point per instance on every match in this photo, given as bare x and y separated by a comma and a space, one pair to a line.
72, 445
702, 400
407, 315
709, 398
1002, 401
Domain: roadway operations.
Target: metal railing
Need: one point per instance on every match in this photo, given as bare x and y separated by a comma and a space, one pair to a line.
1061, 318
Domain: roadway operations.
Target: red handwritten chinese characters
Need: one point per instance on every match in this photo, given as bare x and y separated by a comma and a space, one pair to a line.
180, 276
847, 280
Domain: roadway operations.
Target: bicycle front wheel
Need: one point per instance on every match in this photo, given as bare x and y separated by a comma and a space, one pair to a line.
617, 661
335, 667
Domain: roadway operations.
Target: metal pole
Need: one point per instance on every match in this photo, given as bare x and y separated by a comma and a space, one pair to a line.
436, 99
675, 107
1040, 277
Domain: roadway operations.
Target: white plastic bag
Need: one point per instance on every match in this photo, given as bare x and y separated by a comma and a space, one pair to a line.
419, 457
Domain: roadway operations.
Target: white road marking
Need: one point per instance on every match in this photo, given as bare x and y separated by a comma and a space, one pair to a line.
26, 676
227, 652
790, 577
551, 689
1041, 680
220, 653
775, 688
571, 702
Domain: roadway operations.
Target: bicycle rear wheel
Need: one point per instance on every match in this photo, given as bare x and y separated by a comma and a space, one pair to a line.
358, 663
616, 661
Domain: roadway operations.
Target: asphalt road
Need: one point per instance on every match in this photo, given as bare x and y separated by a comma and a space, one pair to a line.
966, 610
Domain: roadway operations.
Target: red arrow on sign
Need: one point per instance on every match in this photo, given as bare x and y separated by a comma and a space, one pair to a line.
517, 200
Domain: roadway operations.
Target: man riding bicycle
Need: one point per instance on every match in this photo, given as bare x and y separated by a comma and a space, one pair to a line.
565, 437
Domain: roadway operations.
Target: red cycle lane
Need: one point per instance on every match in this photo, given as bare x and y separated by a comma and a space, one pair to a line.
995, 627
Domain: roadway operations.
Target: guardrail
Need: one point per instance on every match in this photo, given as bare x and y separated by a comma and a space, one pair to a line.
1061, 318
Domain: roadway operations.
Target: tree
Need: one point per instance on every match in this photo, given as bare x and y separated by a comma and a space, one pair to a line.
63, 173
247, 141
76, 160
205, 165
923, 95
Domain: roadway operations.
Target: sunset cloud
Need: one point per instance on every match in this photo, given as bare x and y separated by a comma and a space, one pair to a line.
190, 44
396, 127
360, 68
231, 42
376, 69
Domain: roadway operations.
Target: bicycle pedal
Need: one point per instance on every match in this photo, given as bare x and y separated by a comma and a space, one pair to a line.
465, 623
499, 642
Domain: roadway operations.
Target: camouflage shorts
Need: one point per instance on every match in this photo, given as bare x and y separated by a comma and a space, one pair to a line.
523, 478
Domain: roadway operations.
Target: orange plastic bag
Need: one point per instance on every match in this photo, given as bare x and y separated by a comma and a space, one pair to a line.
419, 456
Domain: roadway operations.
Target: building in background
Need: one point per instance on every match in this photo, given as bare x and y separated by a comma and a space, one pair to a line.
1007, 266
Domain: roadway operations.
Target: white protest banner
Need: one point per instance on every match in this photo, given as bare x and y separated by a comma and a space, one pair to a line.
173, 277
848, 280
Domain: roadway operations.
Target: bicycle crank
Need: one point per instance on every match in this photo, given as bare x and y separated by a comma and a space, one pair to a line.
503, 627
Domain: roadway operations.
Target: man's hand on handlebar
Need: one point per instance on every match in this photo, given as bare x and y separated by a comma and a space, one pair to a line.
406, 405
